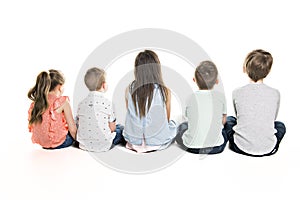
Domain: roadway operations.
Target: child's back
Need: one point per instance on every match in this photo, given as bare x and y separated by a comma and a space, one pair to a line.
256, 106
52, 131
205, 115
153, 128
93, 132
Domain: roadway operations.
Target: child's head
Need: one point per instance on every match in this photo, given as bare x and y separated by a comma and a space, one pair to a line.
206, 75
57, 78
147, 68
258, 64
147, 72
94, 79
45, 83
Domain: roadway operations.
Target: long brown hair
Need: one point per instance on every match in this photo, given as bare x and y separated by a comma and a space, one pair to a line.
45, 82
147, 72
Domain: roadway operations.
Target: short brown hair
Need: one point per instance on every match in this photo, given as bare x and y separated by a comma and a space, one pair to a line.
94, 78
258, 64
206, 75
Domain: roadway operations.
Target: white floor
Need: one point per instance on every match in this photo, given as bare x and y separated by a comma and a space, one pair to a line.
36, 36
27, 171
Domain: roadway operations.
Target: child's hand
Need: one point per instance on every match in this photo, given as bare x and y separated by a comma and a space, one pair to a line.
112, 126
224, 119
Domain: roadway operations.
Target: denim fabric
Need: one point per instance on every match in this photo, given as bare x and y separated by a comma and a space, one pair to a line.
68, 142
119, 139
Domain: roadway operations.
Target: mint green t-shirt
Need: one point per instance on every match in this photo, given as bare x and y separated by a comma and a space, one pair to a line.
205, 109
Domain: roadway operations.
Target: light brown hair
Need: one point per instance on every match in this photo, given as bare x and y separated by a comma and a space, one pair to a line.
94, 78
206, 75
147, 72
258, 64
45, 82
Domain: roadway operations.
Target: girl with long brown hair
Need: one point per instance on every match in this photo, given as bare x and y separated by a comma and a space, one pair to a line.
148, 126
50, 116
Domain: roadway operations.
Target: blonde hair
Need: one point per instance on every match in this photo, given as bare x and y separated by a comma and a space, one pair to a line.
94, 78
45, 82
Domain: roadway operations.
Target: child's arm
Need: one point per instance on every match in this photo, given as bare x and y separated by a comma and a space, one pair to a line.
278, 105
126, 100
168, 104
29, 116
111, 119
224, 119
188, 108
66, 108
233, 101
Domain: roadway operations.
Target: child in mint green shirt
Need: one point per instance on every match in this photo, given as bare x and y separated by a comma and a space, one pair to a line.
206, 112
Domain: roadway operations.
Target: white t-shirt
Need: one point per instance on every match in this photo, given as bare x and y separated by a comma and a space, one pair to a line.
93, 115
204, 111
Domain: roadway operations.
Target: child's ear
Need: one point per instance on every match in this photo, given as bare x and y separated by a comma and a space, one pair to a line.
194, 79
104, 86
217, 81
244, 69
60, 88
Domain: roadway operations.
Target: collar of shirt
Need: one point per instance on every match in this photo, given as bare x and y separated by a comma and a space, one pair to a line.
96, 93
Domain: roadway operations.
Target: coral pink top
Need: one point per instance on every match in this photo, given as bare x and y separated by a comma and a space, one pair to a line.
53, 129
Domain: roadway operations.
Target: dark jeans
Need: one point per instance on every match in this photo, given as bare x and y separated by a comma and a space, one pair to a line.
68, 142
208, 150
119, 139
231, 122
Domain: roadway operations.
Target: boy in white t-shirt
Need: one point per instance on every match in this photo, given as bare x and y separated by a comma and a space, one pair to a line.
206, 113
97, 130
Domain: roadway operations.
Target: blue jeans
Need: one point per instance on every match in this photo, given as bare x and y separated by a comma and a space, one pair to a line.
119, 139
68, 142
231, 122
208, 150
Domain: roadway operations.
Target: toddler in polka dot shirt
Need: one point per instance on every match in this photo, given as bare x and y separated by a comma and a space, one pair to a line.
97, 129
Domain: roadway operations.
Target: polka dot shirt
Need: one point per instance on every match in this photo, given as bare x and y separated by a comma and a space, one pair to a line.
93, 117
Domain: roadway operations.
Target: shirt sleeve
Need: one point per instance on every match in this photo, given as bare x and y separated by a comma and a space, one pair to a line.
278, 105
29, 116
188, 106
110, 112
224, 104
60, 101
76, 121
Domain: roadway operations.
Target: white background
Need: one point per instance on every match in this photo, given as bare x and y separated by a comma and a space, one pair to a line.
36, 36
